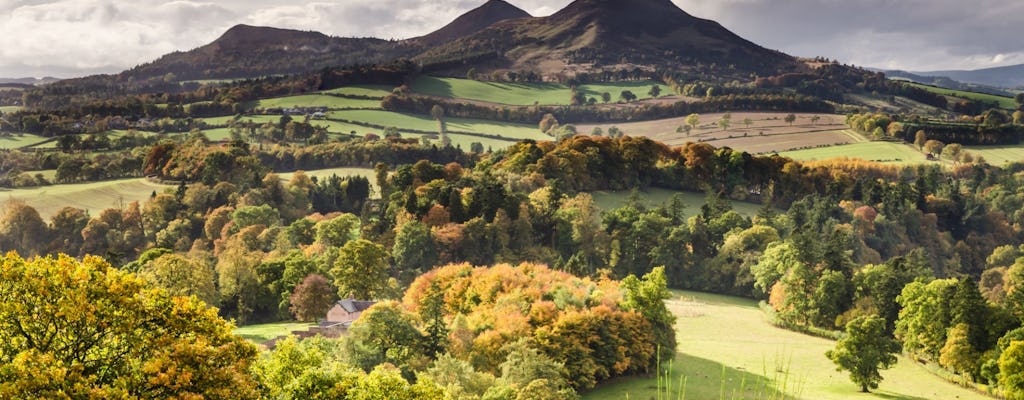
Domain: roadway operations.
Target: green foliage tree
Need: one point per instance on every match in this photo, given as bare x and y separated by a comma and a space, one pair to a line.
790, 119
647, 296
865, 349
414, 250
338, 231
627, 96
384, 334
83, 329
693, 120
182, 276
1011, 370
655, 91
361, 271
606, 97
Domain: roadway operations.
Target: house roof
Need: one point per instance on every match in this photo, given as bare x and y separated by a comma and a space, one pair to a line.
353, 305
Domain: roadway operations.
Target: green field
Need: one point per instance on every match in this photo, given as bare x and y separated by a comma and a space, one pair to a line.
998, 155
92, 197
425, 123
316, 100
16, 140
9, 109
524, 93
259, 119
260, 334
377, 91
341, 172
728, 351
887, 152
654, 197
1004, 102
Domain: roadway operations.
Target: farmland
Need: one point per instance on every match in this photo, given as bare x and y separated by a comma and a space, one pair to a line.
317, 100
425, 123
92, 197
887, 152
998, 155
13, 141
376, 91
9, 109
1004, 102
525, 93
260, 334
727, 350
653, 197
767, 132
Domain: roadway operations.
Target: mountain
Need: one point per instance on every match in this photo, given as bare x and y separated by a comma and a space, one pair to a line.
474, 21
28, 81
604, 32
252, 51
1008, 77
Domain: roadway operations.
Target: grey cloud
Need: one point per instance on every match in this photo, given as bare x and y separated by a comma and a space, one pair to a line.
73, 37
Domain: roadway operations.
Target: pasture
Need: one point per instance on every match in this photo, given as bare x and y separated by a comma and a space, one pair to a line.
427, 124
728, 351
1004, 102
523, 94
998, 155
316, 100
375, 91
92, 196
767, 132
653, 197
17, 140
263, 333
886, 152
9, 109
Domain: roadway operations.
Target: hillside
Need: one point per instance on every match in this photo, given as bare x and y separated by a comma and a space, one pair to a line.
1008, 77
251, 51
603, 32
474, 21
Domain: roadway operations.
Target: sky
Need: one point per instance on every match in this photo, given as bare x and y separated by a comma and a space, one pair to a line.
66, 38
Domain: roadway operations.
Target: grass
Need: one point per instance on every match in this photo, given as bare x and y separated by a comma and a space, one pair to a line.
1004, 102
92, 197
998, 155
317, 100
259, 119
728, 351
377, 91
887, 152
9, 109
654, 197
367, 173
425, 123
524, 93
262, 333
14, 141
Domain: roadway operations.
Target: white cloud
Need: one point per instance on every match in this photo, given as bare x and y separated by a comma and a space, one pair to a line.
71, 37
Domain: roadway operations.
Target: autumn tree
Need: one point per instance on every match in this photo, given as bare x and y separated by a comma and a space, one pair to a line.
182, 276
547, 123
361, 271
865, 349
693, 120
790, 118
312, 298
934, 147
22, 229
920, 138
83, 329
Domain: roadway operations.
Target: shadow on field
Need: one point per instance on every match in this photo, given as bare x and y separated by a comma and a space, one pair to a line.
893, 396
704, 379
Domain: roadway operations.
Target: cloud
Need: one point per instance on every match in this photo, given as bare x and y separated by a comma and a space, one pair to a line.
73, 37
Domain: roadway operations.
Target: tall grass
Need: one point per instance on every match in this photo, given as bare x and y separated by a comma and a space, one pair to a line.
776, 387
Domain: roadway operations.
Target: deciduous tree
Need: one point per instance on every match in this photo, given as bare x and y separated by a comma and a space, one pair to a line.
865, 349
312, 298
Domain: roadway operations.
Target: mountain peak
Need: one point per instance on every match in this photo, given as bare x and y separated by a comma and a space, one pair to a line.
476, 20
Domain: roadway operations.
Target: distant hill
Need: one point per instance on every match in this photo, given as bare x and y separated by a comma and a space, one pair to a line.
605, 32
28, 81
474, 21
251, 51
1008, 77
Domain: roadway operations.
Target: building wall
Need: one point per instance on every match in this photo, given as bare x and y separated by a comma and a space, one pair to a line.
339, 314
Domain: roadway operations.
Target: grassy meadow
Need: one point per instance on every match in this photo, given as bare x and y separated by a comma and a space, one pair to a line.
376, 91
425, 123
9, 109
92, 196
260, 334
1004, 102
886, 152
998, 155
316, 100
523, 94
727, 350
17, 140
653, 197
